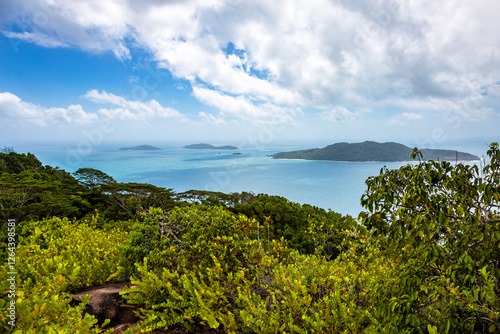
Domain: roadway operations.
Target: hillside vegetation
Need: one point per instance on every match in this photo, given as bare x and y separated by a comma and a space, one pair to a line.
423, 257
204, 146
141, 148
372, 151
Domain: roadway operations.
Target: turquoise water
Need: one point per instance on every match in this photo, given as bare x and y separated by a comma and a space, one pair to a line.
330, 185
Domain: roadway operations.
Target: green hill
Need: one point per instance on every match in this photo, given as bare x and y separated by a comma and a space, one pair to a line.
141, 148
372, 151
204, 146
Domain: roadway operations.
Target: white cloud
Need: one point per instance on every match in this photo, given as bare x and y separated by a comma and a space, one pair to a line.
405, 118
411, 116
243, 107
93, 25
469, 108
211, 119
131, 110
318, 54
14, 108
36, 38
338, 114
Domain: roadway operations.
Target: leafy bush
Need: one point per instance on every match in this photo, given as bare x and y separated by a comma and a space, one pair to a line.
441, 224
53, 258
217, 275
191, 234
293, 221
198, 262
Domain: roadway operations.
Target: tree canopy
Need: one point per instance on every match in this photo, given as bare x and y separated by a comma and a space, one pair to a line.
92, 178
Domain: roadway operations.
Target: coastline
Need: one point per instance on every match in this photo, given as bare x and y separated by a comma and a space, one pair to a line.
369, 161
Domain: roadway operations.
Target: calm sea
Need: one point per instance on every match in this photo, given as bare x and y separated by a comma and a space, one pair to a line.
330, 185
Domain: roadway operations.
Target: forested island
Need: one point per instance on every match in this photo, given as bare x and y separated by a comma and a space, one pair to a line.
204, 146
422, 258
372, 151
141, 148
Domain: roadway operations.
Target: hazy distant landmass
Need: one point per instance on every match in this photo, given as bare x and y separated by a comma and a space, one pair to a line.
204, 146
372, 151
141, 148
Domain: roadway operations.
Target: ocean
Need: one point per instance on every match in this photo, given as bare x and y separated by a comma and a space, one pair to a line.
330, 185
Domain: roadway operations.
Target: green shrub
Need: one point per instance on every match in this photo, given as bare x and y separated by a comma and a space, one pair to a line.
55, 257
440, 223
307, 228
218, 276
191, 272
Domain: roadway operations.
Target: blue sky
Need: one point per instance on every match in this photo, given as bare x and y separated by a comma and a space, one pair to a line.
424, 73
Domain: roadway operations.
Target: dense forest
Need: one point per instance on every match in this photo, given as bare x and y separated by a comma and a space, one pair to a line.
422, 258
372, 151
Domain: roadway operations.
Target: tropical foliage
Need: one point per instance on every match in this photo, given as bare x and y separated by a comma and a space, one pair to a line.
55, 257
423, 257
29, 190
441, 224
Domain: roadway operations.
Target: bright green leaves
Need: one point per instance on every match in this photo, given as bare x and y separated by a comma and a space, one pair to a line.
222, 277
416, 154
443, 220
57, 257
299, 224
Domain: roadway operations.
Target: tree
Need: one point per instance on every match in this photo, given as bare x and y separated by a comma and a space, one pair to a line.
12, 162
29, 190
306, 227
134, 198
92, 178
217, 198
38, 195
441, 223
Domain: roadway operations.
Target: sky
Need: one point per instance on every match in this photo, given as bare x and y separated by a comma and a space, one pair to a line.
421, 72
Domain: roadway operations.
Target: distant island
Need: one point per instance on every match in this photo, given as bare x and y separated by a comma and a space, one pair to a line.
372, 151
141, 148
204, 146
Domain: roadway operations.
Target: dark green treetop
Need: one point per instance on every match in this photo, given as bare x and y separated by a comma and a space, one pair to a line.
92, 178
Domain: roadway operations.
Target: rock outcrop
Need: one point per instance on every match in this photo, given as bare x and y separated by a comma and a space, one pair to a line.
107, 303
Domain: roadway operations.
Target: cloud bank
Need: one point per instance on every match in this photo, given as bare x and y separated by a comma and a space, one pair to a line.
267, 60
14, 108
131, 110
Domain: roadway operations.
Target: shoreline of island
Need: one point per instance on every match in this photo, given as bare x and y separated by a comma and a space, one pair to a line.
370, 151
